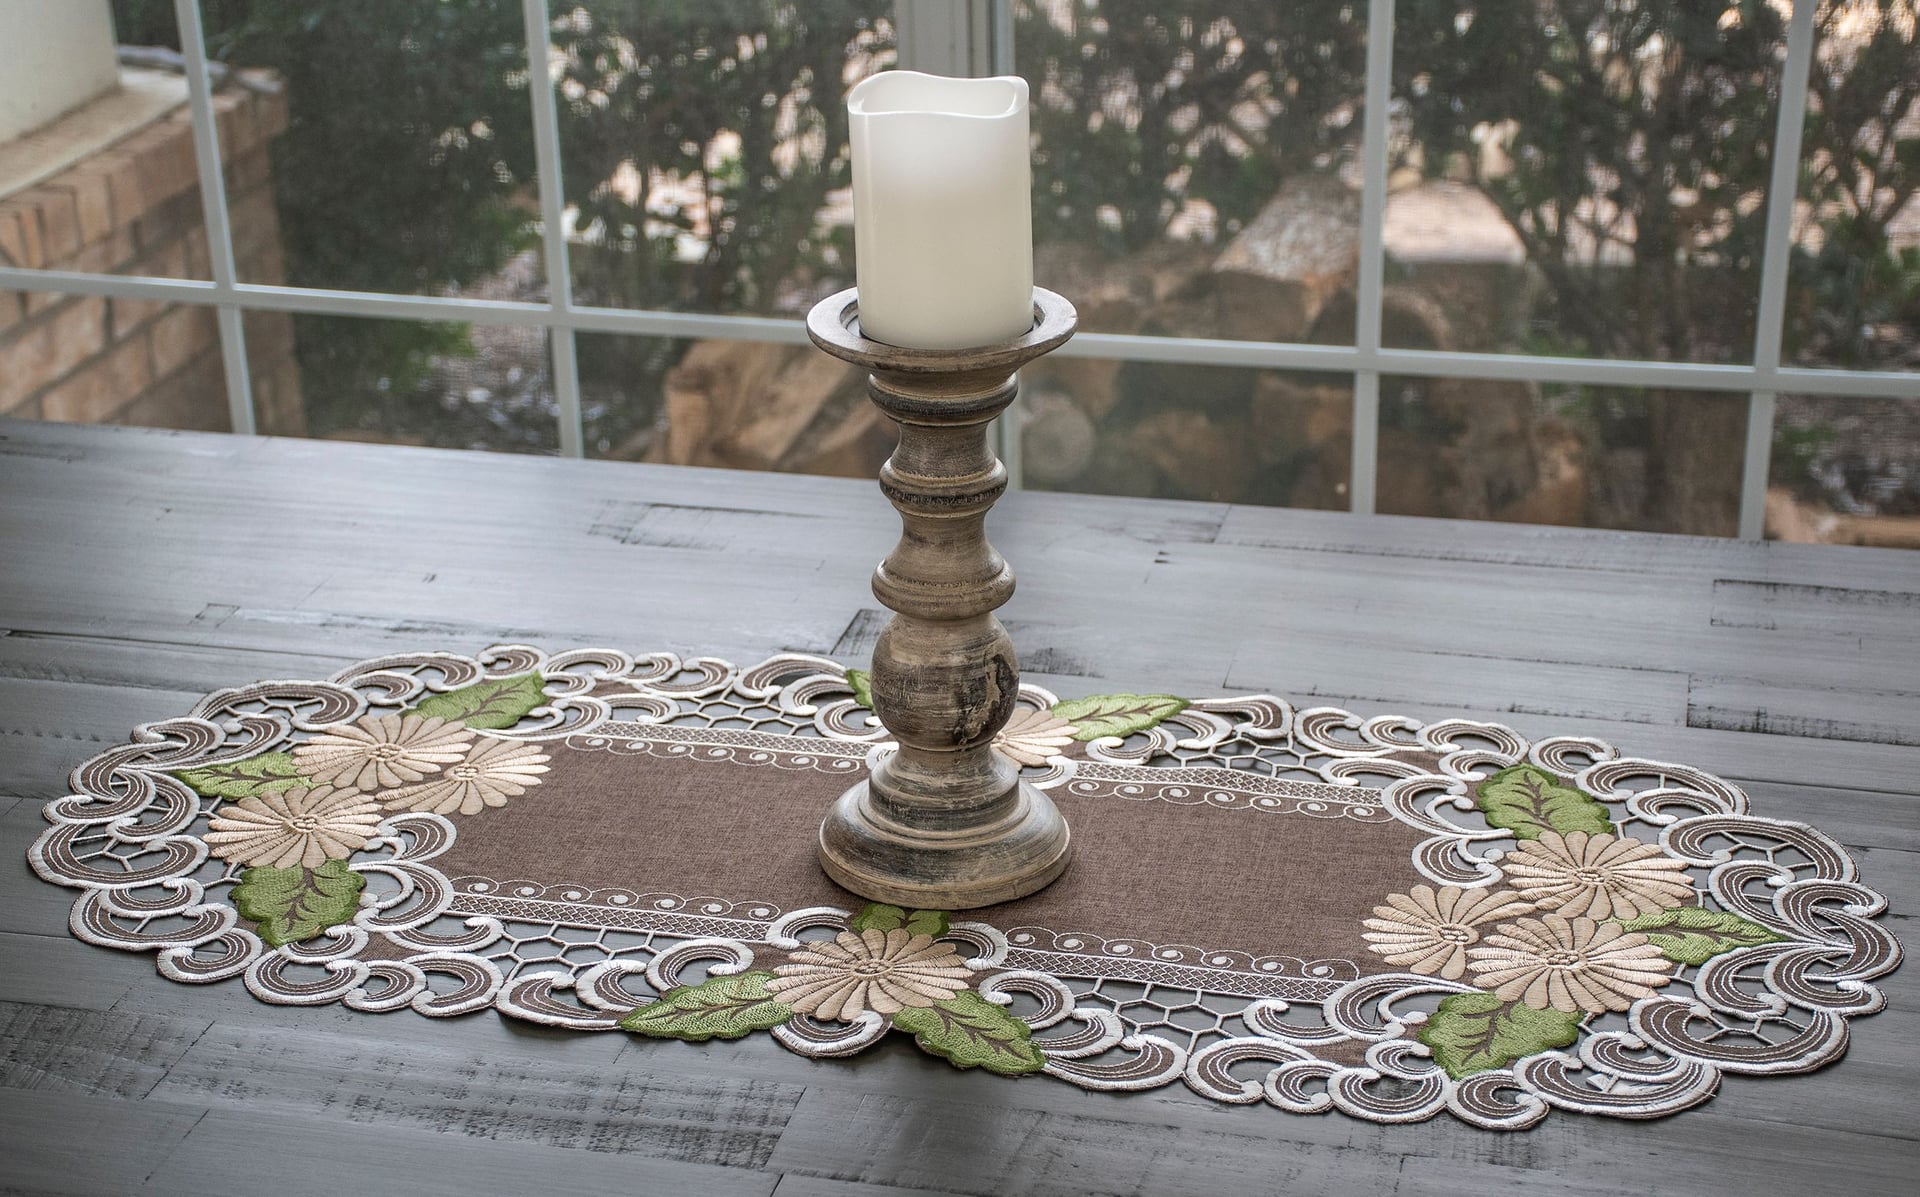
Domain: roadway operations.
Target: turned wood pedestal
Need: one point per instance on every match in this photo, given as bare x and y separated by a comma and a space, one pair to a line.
944, 823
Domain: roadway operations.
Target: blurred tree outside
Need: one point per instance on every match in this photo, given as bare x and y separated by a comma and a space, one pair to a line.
1626, 144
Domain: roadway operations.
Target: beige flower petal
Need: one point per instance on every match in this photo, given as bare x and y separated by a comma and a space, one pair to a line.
293, 827
1599, 876
1034, 737
487, 774
1569, 964
1429, 931
381, 752
881, 971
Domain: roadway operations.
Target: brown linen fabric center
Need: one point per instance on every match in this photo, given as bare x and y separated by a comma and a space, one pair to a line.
1296, 907
1174, 869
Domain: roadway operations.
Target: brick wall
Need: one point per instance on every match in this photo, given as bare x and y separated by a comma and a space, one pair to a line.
134, 208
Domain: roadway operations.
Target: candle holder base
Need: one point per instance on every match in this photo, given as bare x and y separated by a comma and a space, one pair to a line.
887, 861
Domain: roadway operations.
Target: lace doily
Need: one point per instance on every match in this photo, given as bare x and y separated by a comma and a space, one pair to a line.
1561, 926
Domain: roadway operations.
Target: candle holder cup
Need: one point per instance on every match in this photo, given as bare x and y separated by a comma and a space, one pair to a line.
944, 823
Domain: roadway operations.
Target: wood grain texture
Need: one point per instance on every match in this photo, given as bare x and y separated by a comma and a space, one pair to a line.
945, 823
146, 568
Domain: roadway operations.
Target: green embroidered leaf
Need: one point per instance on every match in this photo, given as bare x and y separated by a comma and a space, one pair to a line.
1528, 801
1472, 1032
1695, 935
931, 923
495, 703
972, 1032
717, 1008
1117, 714
242, 779
876, 916
861, 683
290, 905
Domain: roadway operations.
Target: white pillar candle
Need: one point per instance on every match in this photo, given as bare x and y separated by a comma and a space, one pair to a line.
942, 219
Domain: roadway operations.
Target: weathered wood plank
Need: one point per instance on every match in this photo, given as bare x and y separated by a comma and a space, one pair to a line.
61, 971
70, 1143
279, 1153
87, 1051
560, 1095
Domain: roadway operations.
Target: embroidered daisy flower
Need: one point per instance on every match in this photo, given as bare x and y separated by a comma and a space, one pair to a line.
1034, 737
1600, 876
1568, 964
306, 828
1430, 932
381, 752
494, 771
882, 971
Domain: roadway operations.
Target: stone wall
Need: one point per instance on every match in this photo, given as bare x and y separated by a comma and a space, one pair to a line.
134, 208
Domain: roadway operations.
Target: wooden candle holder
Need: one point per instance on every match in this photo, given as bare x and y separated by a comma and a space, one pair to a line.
945, 823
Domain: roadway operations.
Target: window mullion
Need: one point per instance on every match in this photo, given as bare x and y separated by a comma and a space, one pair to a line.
1373, 201
213, 207
1775, 264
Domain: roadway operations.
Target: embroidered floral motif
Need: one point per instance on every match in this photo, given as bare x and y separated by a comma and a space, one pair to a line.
1430, 932
1600, 876
882, 971
492, 772
1812, 952
290, 828
383, 751
1034, 737
1568, 964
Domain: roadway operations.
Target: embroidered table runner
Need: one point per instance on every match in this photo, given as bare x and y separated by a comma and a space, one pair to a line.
1300, 907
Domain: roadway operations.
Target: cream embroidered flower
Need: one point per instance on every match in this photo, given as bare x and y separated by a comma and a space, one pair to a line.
1033, 736
307, 828
494, 771
1568, 964
383, 751
1430, 932
1600, 876
882, 971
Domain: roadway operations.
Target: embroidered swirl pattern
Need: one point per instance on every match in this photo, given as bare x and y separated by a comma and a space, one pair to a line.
138, 838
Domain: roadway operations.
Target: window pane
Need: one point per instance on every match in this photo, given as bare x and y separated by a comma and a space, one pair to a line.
1845, 471
735, 404
1556, 453
1854, 293
1195, 164
706, 148
406, 382
406, 160
1218, 433
85, 359
97, 166
1585, 179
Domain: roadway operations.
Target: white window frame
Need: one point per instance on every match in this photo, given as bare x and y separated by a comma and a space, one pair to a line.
975, 37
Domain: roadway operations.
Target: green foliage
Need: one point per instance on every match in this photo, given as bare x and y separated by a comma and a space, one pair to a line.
930, 923
1473, 1032
877, 916
1695, 935
717, 1008
1193, 70
289, 905
1117, 714
495, 703
1527, 801
261, 774
861, 683
971, 1032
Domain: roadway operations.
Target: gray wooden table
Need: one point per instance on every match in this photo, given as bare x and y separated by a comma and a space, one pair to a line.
139, 570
